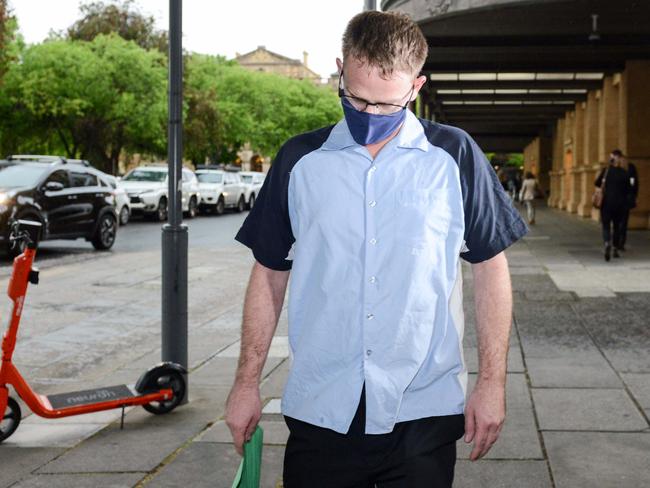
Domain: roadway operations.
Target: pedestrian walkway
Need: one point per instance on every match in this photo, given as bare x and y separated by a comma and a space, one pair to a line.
578, 387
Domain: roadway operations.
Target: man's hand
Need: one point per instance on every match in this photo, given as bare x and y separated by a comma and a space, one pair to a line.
485, 413
243, 412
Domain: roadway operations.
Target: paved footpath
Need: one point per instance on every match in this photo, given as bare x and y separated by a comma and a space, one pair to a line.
578, 386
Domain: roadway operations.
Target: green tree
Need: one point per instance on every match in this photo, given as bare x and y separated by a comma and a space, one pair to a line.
121, 18
228, 106
90, 99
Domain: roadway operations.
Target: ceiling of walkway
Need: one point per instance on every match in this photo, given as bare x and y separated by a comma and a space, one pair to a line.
505, 71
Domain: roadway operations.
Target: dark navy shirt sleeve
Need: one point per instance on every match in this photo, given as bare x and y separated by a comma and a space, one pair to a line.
267, 228
491, 222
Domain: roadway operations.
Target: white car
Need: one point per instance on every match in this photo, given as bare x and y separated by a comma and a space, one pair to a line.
253, 180
147, 187
220, 190
122, 201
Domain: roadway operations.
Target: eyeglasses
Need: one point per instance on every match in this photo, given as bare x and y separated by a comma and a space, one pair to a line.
361, 104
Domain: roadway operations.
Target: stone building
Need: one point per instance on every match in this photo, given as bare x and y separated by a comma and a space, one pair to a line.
267, 61
563, 82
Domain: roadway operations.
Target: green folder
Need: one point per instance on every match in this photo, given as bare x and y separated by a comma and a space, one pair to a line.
250, 468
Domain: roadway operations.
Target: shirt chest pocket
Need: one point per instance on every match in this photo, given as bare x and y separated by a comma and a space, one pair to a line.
422, 217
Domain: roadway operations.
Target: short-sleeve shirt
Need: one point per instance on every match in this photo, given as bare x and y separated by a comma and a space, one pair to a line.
374, 250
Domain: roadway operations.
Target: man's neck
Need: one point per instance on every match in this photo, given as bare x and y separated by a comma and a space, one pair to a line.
374, 148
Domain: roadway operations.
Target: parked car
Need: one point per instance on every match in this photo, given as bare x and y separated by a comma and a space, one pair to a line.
253, 181
122, 200
220, 190
70, 200
147, 188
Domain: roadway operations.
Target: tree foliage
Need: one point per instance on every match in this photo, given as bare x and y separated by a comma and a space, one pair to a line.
122, 19
90, 99
101, 92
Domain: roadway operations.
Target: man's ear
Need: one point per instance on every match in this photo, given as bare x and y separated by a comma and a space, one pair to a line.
418, 84
339, 64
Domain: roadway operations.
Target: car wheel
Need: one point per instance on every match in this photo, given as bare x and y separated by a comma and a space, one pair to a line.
106, 232
241, 204
251, 201
124, 215
192, 208
220, 208
161, 211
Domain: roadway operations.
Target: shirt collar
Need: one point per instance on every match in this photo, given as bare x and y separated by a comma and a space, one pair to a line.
410, 136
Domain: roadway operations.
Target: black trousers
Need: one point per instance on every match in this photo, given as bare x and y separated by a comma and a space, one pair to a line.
612, 219
416, 454
623, 232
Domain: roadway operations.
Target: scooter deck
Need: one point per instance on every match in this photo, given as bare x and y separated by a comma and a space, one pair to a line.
88, 397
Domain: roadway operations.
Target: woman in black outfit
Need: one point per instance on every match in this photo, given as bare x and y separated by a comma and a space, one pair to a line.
613, 209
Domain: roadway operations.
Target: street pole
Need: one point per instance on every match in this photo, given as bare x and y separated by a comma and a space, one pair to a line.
174, 233
370, 5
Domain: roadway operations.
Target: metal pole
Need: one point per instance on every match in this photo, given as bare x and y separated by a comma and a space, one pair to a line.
370, 5
174, 234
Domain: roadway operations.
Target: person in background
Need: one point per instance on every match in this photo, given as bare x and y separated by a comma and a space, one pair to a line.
615, 184
527, 196
633, 192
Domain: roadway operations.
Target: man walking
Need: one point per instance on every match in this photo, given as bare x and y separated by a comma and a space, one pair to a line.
371, 216
633, 192
615, 186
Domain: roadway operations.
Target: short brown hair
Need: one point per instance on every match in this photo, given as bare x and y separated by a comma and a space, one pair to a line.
386, 40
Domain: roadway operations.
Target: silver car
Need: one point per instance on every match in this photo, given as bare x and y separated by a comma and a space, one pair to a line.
220, 190
253, 181
147, 187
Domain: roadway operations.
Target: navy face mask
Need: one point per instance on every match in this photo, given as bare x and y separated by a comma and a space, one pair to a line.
367, 128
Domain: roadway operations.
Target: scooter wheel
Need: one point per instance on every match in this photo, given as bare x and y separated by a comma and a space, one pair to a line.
168, 379
10, 420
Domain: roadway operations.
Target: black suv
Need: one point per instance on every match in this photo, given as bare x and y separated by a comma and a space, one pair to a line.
71, 200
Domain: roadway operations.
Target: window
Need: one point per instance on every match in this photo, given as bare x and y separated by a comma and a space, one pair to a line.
79, 178
145, 175
209, 177
59, 176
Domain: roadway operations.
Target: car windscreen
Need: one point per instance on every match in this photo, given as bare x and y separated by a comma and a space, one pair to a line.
209, 177
144, 175
246, 178
21, 175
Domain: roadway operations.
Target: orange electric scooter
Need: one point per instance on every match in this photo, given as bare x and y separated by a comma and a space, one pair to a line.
159, 390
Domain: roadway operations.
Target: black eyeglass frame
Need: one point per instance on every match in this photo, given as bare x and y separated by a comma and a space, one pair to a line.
342, 94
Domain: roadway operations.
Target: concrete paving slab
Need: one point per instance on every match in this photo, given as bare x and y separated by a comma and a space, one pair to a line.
210, 465
52, 435
275, 433
17, 463
279, 348
586, 409
100, 480
273, 385
273, 406
139, 447
581, 371
220, 371
639, 385
502, 474
603, 460
105, 417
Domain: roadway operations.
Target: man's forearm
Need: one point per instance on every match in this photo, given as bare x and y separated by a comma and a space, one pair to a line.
262, 307
493, 302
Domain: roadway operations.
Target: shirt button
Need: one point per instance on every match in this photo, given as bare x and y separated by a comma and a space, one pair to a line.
373, 241
372, 203
370, 316
373, 279
368, 352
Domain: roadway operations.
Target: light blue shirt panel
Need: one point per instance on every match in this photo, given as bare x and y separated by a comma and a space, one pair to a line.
374, 264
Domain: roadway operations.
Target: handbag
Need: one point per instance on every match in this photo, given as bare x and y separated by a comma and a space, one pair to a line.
599, 192
250, 468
